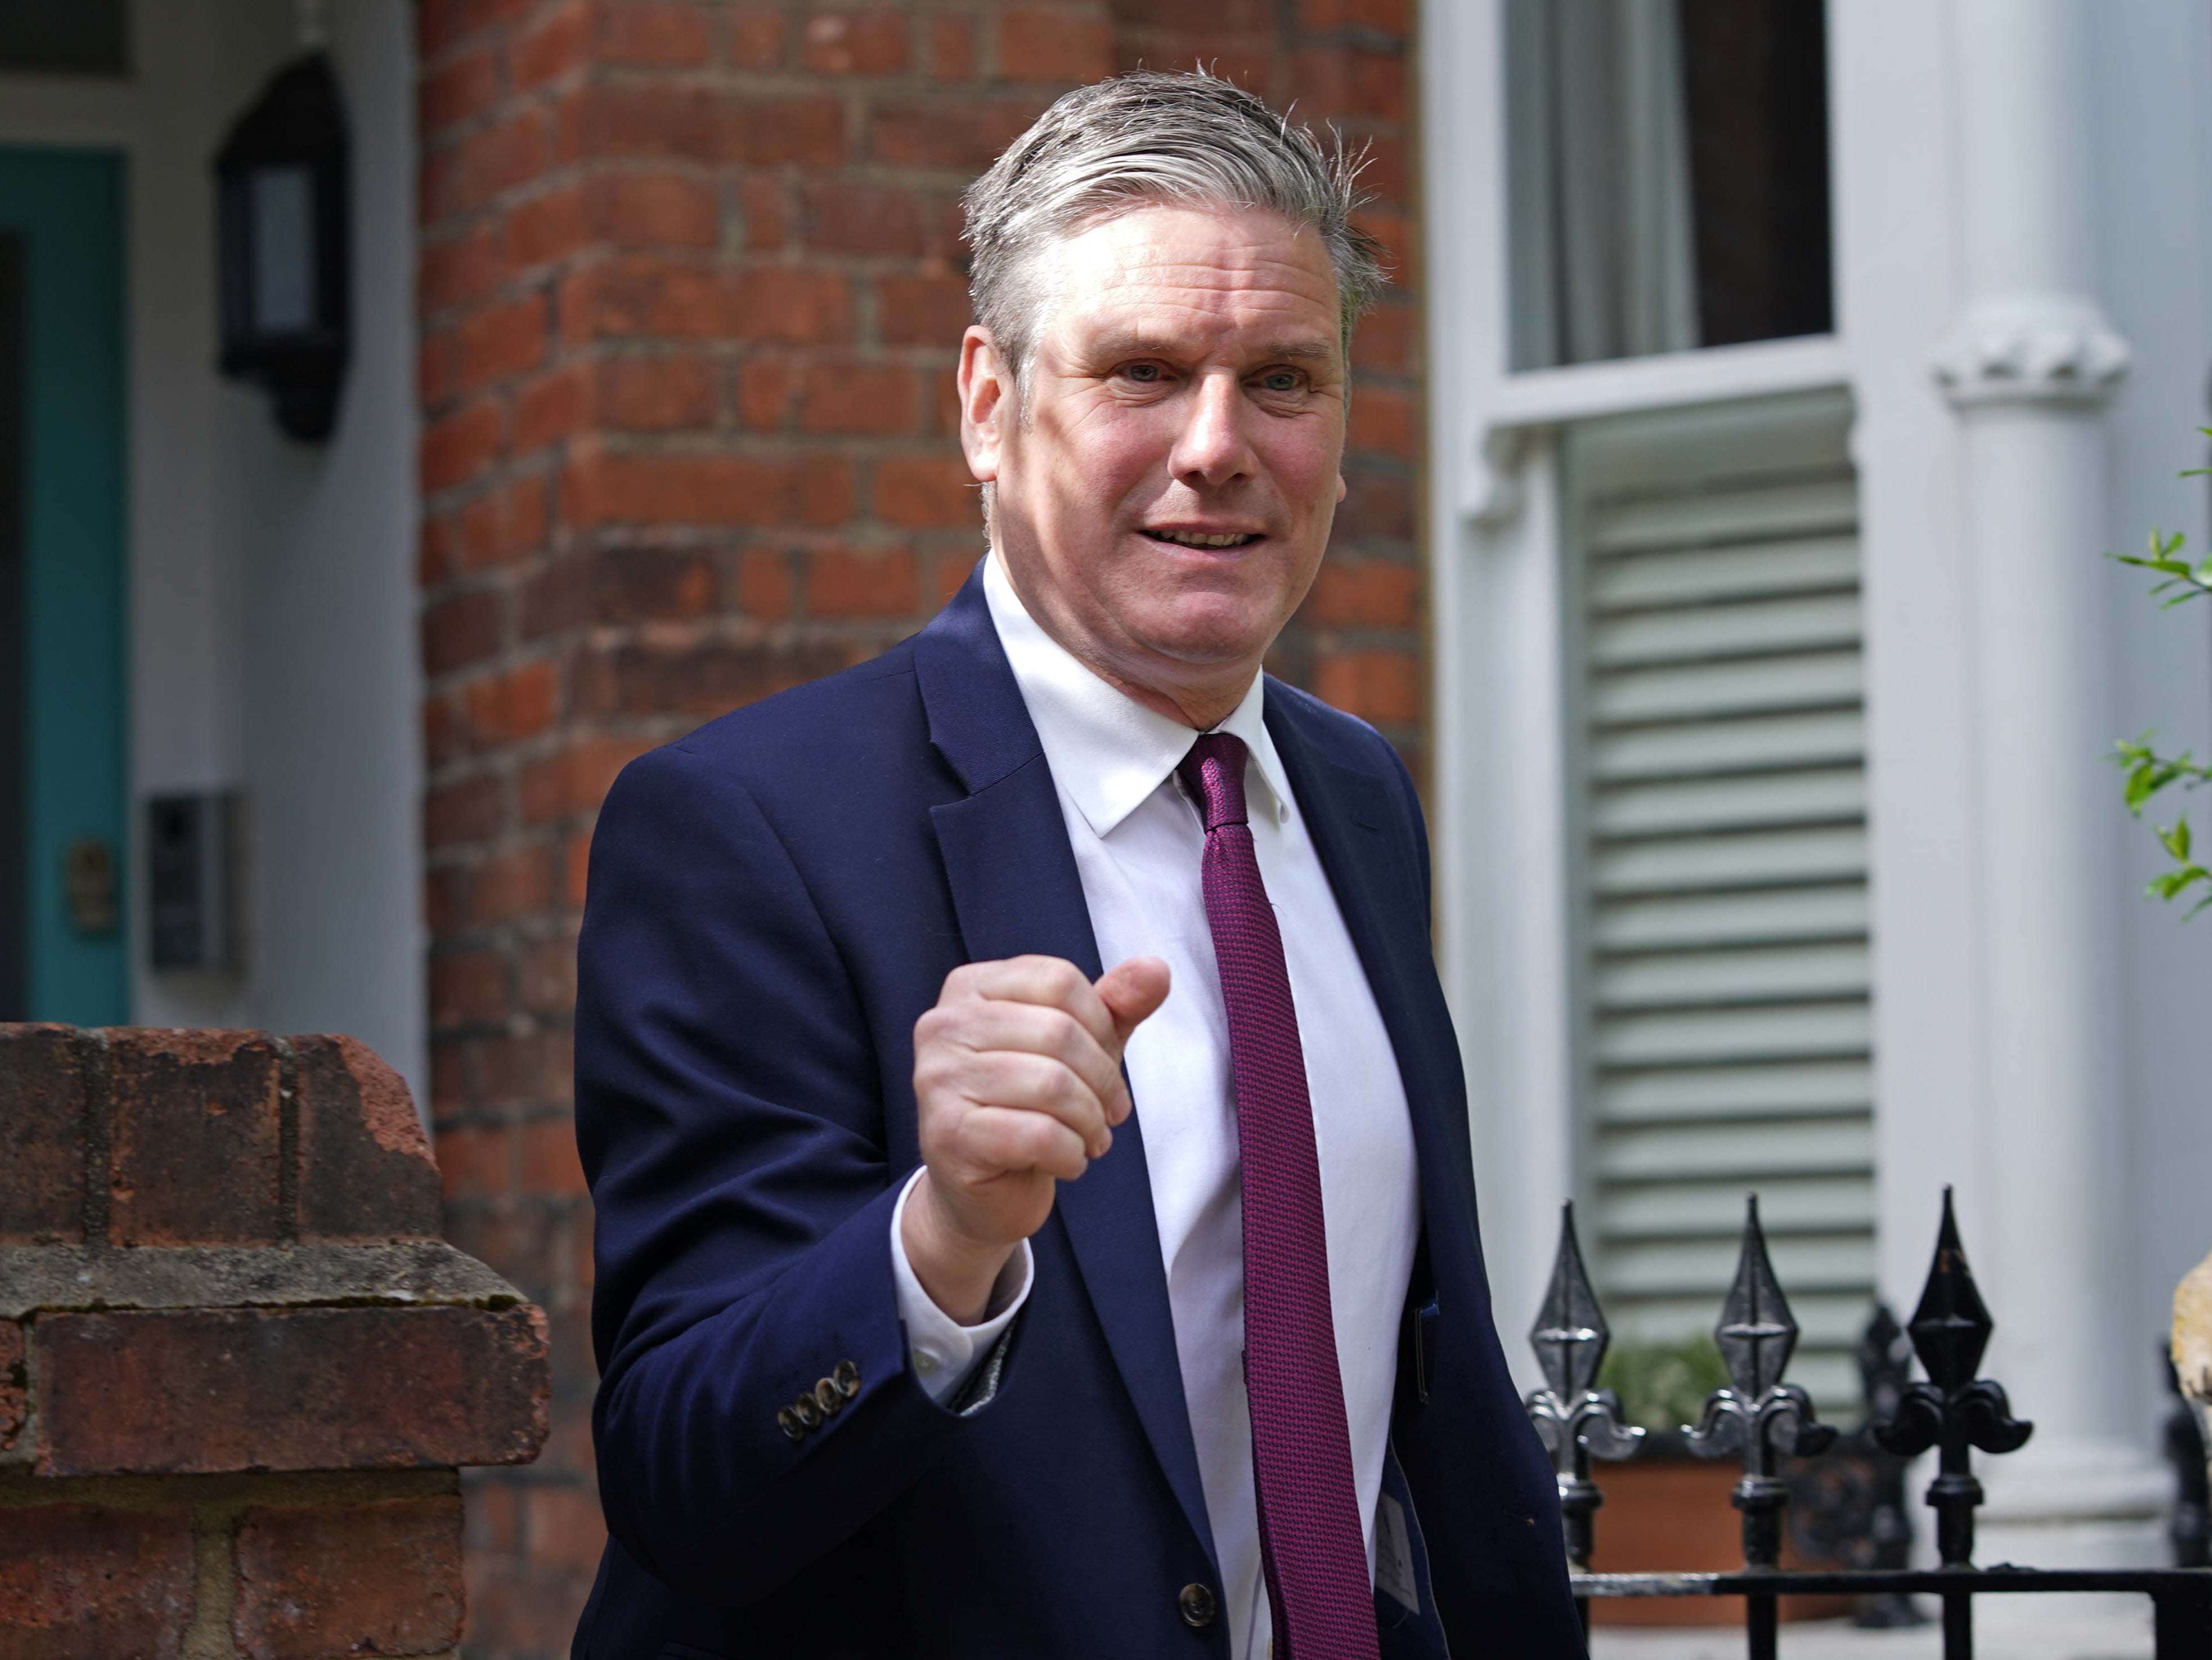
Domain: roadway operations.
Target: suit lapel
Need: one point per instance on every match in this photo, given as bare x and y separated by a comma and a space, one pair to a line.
1015, 889
1348, 811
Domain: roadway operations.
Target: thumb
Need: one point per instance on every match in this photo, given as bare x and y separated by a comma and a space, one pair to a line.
1132, 991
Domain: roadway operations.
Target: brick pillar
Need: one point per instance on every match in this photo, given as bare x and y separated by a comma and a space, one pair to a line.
238, 1368
690, 292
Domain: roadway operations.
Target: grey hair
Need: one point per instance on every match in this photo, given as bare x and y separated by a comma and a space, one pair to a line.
1170, 137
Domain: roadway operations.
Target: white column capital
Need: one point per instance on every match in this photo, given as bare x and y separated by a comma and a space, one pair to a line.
2031, 333
2043, 350
1493, 492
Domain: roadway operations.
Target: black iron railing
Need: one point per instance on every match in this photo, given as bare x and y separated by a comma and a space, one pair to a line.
1765, 1421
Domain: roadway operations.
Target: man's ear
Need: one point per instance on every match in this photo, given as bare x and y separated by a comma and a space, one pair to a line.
987, 402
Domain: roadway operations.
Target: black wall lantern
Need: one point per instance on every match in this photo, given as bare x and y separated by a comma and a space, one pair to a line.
282, 243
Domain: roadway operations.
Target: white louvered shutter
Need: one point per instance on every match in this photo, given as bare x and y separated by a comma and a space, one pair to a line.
1720, 804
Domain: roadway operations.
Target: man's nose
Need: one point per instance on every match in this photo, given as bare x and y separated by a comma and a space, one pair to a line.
1213, 448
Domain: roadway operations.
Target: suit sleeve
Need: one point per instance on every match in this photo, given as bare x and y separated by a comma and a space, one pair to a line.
730, 1116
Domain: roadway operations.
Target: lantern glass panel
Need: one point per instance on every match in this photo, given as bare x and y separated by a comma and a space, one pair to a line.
284, 250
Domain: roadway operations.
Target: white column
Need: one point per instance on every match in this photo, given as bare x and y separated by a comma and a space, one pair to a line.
2029, 369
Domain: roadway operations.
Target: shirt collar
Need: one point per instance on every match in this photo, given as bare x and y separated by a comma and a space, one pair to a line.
1106, 749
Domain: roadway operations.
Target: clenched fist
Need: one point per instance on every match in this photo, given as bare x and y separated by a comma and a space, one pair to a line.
1017, 1085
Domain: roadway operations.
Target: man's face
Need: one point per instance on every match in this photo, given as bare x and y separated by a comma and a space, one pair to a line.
1164, 497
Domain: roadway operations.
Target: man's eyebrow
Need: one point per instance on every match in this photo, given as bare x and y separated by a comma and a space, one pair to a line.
1300, 352
1130, 342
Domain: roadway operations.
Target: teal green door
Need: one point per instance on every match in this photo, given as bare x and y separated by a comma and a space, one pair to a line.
61, 490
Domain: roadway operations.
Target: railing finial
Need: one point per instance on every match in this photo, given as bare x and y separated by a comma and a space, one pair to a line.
1758, 1414
1952, 1409
1575, 1418
1951, 1328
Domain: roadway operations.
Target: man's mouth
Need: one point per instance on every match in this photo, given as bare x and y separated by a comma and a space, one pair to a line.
1191, 538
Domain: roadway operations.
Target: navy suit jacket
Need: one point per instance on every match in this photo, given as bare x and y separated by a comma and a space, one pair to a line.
773, 901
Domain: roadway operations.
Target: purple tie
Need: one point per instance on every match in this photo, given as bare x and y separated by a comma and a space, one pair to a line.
1310, 1540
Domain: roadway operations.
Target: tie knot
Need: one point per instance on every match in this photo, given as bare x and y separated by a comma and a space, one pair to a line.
1213, 772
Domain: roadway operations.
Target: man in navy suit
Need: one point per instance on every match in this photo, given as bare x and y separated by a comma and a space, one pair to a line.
959, 1294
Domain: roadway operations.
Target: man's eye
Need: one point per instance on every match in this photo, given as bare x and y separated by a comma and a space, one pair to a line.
1282, 380
1147, 373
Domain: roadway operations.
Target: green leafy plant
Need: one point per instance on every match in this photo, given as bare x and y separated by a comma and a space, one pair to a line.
2148, 772
1663, 1386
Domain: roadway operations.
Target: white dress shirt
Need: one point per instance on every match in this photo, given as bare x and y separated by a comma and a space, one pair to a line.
1138, 843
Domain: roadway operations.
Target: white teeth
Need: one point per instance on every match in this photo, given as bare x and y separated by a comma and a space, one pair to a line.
1191, 540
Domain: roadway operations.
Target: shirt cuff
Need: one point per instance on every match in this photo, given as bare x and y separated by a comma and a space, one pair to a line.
941, 1350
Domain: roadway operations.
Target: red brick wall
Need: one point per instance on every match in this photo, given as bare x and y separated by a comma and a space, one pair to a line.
690, 289
1360, 640
237, 1366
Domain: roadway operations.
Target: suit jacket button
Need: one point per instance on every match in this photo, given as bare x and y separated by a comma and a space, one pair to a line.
789, 1423
846, 1377
805, 1411
827, 1397
1196, 1604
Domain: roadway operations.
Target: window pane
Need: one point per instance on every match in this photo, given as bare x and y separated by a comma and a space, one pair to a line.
1758, 92
1669, 175
77, 37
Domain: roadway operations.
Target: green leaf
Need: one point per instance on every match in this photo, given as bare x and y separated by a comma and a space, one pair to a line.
1663, 1384
2176, 840
2176, 881
2150, 777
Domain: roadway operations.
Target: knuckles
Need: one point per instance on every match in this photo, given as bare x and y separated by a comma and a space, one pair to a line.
1064, 979
956, 1061
930, 1029
1059, 980
1067, 1035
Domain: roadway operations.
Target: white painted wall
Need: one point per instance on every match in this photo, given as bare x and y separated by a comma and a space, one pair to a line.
2152, 68
271, 593
1897, 79
332, 693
